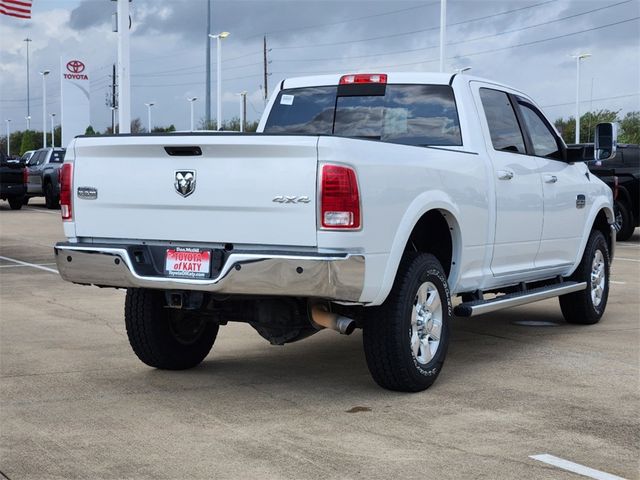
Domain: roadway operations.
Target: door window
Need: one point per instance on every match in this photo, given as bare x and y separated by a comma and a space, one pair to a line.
544, 141
504, 129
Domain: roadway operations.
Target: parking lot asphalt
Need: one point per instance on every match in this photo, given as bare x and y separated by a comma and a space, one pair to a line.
75, 402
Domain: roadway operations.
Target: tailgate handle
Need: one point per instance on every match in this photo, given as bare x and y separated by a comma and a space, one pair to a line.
183, 151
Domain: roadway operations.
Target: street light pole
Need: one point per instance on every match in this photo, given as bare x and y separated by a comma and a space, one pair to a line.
53, 139
208, 68
578, 58
149, 105
191, 100
28, 117
8, 138
219, 37
44, 74
243, 109
124, 65
443, 31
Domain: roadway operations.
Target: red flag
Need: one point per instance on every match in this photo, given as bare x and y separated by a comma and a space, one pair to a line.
16, 8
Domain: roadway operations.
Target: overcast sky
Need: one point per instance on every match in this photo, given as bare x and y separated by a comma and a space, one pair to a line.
527, 44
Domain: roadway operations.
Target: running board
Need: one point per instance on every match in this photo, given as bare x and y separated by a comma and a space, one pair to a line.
477, 307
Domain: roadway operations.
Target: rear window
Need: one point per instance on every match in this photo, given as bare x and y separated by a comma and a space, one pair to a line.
418, 115
57, 156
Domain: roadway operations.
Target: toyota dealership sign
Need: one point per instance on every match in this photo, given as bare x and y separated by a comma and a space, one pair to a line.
74, 70
75, 98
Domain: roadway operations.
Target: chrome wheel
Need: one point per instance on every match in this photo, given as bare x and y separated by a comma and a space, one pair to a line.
426, 323
598, 278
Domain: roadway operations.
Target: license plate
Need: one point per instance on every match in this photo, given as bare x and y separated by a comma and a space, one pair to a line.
188, 262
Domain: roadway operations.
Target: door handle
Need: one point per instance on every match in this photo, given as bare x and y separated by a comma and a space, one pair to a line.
550, 179
505, 174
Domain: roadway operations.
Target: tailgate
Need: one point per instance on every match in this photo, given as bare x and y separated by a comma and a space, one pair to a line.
234, 192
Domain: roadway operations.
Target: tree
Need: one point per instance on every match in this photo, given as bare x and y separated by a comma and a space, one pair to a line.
630, 128
136, 126
588, 122
90, 131
31, 140
170, 128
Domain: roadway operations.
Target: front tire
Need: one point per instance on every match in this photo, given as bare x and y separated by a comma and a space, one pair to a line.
406, 338
166, 338
587, 306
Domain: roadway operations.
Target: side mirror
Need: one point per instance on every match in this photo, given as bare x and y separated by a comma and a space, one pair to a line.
606, 141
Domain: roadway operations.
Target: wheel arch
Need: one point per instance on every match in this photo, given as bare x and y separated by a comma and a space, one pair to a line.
433, 228
601, 218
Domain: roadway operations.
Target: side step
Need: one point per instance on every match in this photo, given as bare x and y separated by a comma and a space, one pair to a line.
477, 307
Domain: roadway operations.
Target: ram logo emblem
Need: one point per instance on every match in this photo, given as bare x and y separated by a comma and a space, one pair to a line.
185, 182
291, 199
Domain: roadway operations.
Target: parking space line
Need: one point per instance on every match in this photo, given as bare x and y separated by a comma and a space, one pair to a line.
36, 210
23, 266
617, 283
628, 259
574, 467
27, 264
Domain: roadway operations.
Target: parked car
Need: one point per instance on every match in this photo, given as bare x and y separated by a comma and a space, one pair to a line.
26, 156
13, 181
43, 168
622, 174
365, 201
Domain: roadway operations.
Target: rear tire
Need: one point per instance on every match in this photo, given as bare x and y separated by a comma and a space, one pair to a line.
406, 338
587, 306
51, 202
624, 221
166, 338
15, 203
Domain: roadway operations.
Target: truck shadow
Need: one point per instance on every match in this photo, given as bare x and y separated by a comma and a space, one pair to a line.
328, 363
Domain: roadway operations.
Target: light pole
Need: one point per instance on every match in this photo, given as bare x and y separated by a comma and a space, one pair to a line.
443, 31
44, 74
207, 107
28, 119
53, 140
28, 41
243, 109
149, 105
191, 100
219, 38
578, 58
8, 138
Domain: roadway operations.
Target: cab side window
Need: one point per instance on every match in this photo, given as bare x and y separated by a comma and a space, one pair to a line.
545, 143
503, 124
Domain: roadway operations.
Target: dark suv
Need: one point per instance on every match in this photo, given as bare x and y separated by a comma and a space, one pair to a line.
622, 174
43, 168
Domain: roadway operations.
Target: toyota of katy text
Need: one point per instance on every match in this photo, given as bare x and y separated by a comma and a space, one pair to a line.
364, 201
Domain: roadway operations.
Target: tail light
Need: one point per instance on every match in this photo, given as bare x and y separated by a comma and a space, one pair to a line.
339, 198
66, 187
363, 78
25, 175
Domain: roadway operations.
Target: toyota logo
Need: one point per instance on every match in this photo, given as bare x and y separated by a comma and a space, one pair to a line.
75, 66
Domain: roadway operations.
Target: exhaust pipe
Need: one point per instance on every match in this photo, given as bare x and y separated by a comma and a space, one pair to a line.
322, 318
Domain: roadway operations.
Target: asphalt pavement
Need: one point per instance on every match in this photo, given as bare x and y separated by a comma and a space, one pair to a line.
75, 402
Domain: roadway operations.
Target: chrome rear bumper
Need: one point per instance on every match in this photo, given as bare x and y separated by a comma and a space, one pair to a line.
338, 276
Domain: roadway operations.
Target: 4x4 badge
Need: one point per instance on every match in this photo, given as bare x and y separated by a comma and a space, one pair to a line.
185, 182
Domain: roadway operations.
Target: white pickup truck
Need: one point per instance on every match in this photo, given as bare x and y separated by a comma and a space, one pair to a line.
364, 201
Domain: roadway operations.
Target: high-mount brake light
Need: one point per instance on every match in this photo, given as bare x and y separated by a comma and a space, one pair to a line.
363, 78
339, 198
66, 187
